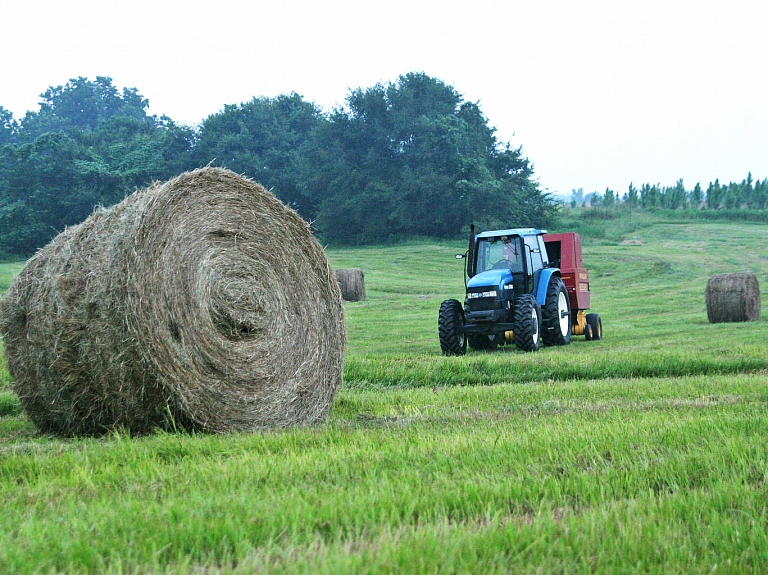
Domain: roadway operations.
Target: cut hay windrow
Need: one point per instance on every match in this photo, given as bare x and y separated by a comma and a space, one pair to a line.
202, 303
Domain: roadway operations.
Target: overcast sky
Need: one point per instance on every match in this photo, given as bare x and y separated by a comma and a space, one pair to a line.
598, 93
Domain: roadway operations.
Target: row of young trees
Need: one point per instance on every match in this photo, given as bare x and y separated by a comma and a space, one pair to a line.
747, 194
409, 158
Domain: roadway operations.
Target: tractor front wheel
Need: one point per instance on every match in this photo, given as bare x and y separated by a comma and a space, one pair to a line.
556, 315
450, 326
527, 323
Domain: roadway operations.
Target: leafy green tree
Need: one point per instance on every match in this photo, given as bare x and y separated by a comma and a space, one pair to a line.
266, 139
82, 105
129, 153
8, 127
413, 158
87, 146
40, 194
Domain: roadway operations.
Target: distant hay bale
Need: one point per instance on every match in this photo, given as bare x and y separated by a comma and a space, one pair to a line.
733, 297
352, 284
202, 303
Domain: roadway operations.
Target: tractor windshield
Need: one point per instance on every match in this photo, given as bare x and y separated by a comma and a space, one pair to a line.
504, 252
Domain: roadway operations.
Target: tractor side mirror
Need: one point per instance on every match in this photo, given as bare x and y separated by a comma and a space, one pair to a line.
459, 256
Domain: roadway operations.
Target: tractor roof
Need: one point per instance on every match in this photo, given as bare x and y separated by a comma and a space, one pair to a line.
511, 232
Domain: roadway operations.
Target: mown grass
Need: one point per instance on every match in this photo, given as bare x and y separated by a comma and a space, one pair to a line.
645, 452
614, 474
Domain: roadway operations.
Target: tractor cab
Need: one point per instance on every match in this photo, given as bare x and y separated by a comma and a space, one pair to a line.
499, 255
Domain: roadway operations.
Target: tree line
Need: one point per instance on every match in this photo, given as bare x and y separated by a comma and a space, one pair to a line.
397, 160
749, 194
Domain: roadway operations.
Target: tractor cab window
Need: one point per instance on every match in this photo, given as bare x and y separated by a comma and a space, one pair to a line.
504, 252
536, 254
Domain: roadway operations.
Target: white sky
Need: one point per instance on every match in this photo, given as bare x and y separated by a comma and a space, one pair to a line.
599, 93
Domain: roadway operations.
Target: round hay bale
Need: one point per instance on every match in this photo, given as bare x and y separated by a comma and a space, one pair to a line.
202, 303
733, 297
352, 283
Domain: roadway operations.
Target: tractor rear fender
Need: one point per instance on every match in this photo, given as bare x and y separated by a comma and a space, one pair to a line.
543, 282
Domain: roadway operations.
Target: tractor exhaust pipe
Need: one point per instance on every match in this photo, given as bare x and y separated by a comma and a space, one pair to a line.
471, 251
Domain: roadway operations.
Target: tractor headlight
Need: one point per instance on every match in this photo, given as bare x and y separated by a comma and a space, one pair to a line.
473, 295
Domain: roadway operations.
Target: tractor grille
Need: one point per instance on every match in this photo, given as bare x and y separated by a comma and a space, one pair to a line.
482, 304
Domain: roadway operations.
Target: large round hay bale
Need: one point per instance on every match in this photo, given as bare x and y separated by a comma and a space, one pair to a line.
352, 283
733, 297
202, 303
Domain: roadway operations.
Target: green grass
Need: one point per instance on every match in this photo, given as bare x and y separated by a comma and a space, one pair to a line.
646, 452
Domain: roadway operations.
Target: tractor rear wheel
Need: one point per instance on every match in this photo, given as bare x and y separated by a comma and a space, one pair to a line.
595, 325
527, 323
450, 326
556, 314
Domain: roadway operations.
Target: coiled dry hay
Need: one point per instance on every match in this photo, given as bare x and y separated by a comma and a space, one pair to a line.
203, 302
732, 298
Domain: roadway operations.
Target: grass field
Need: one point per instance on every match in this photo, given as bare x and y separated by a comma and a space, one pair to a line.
646, 452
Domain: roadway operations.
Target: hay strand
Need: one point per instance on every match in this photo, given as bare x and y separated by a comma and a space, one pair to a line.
202, 302
352, 283
733, 298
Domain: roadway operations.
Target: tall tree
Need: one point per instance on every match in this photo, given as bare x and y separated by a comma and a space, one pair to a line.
714, 195
609, 198
675, 197
8, 127
267, 139
760, 194
577, 197
87, 146
413, 158
650, 196
732, 196
632, 197
697, 196
40, 193
82, 104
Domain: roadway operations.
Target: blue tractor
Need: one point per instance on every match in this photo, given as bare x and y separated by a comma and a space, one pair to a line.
514, 293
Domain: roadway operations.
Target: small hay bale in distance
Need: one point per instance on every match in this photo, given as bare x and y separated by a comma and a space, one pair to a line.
352, 283
202, 303
732, 298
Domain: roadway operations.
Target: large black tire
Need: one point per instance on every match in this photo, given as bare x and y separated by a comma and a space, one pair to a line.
527, 323
450, 324
595, 327
556, 315
480, 341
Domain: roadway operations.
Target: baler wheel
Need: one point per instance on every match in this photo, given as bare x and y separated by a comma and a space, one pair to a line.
594, 329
